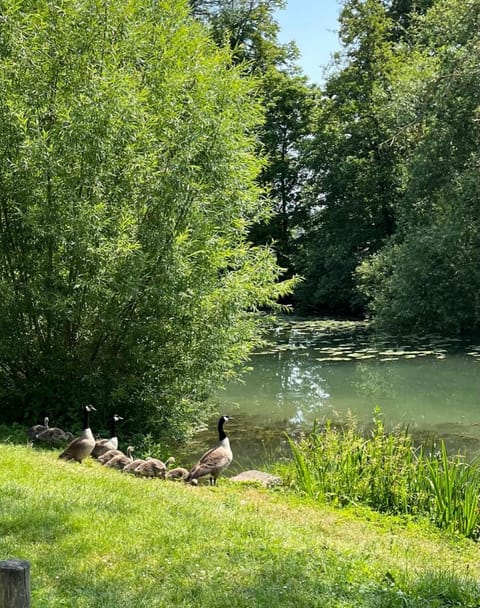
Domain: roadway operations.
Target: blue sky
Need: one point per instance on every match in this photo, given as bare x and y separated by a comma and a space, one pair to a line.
313, 25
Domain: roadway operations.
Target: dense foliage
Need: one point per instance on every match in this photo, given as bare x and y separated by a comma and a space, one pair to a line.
394, 226
127, 189
353, 176
428, 275
373, 175
152, 156
249, 29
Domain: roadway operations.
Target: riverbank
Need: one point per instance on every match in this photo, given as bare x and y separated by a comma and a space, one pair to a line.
96, 538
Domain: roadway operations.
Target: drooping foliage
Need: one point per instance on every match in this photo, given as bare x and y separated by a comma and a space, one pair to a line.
127, 190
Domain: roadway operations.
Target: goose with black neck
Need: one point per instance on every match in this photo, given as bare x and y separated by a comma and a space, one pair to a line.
81, 447
215, 460
103, 445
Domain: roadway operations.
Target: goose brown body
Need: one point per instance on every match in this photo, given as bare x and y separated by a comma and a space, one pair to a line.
215, 460
176, 474
130, 468
81, 447
104, 445
104, 458
37, 428
120, 461
53, 436
153, 467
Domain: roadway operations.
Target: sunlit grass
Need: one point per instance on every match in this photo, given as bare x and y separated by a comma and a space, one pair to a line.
386, 472
97, 538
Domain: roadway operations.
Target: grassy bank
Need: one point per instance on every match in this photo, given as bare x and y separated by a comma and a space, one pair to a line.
96, 538
388, 473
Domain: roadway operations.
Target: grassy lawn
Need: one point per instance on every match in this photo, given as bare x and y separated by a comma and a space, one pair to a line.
98, 538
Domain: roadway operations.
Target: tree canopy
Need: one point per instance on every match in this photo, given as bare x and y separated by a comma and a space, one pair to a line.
390, 225
427, 277
157, 158
128, 166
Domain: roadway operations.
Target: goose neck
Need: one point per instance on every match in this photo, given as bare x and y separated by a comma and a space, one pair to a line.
221, 433
86, 418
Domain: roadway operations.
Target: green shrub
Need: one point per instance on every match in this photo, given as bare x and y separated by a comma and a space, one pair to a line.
128, 173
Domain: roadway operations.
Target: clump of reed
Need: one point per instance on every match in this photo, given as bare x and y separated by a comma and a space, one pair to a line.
388, 473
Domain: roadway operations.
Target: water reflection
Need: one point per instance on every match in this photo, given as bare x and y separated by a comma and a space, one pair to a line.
319, 371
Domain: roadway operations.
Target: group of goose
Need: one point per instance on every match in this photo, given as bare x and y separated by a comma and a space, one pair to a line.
106, 451
52, 436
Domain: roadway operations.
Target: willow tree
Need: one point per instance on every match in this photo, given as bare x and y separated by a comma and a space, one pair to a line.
127, 189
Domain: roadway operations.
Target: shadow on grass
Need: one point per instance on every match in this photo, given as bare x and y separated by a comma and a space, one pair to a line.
297, 580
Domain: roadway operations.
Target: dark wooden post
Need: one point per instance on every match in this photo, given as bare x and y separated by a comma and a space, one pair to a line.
14, 583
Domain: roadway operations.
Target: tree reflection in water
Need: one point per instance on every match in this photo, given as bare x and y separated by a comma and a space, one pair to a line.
328, 370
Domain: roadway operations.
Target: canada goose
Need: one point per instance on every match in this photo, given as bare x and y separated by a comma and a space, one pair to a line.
215, 460
53, 436
130, 468
104, 458
103, 445
37, 428
153, 467
81, 446
120, 461
176, 474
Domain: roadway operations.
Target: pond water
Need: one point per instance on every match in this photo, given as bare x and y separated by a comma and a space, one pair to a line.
330, 370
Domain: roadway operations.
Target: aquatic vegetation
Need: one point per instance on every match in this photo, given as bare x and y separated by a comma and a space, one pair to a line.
456, 487
388, 473
337, 341
321, 369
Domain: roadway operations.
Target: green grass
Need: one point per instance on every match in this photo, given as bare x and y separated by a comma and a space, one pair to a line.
386, 472
97, 538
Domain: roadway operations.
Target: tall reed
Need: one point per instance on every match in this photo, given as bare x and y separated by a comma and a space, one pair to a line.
387, 472
456, 487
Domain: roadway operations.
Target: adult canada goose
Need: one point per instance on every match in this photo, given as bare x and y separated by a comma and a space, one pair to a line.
37, 428
81, 446
153, 467
103, 445
53, 436
176, 474
215, 460
120, 461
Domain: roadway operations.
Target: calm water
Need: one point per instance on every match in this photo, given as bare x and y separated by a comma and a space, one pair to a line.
329, 370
